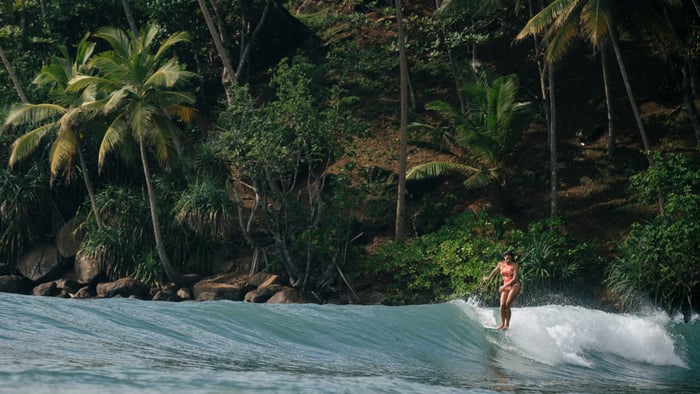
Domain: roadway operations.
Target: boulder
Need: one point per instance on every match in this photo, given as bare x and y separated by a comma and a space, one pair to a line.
85, 292
15, 284
184, 293
262, 279
262, 294
287, 295
70, 286
47, 289
68, 239
166, 295
124, 287
40, 264
210, 291
87, 268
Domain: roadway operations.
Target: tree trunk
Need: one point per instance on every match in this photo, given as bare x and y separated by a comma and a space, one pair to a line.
44, 16
403, 133
630, 95
689, 103
696, 4
608, 99
13, 76
88, 186
245, 53
552, 143
220, 49
635, 110
130, 18
173, 276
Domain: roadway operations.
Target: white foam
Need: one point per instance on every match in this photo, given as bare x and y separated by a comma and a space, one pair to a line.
565, 334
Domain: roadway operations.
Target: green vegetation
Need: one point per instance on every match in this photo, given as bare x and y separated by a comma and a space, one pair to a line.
450, 262
656, 257
289, 166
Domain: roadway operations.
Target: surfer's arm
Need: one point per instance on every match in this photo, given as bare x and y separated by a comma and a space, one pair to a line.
487, 278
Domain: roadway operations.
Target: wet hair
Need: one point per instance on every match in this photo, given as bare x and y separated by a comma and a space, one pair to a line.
508, 253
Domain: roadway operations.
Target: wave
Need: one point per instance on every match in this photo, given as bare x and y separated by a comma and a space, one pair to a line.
120, 345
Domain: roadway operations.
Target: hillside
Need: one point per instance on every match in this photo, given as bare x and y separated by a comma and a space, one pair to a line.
594, 200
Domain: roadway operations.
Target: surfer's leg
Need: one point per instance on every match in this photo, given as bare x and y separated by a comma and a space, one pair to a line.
504, 298
510, 297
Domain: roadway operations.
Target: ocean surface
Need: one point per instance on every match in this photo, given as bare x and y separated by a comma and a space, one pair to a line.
50, 345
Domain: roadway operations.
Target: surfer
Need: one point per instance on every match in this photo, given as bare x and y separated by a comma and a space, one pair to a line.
510, 288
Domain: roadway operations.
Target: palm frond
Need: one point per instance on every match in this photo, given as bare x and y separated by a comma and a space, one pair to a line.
595, 21
563, 32
28, 142
117, 39
445, 109
170, 41
168, 75
115, 134
32, 114
185, 113
542, 20
116, 99
478, 179
435, 169
63, 151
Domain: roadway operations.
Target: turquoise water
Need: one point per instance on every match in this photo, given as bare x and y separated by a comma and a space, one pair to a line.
50, 345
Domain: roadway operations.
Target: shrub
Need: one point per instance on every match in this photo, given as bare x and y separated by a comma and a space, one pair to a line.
653, 262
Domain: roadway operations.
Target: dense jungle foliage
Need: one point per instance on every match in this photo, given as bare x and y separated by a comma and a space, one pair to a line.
180, 133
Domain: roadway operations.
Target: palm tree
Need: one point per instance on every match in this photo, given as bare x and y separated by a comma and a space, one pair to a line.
62, 117
595, 19
483, 133
142, 101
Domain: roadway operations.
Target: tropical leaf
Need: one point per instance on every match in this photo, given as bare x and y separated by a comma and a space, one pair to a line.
436, 169
28, 142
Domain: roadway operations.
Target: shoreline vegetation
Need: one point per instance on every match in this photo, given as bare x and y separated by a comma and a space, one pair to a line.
177, 158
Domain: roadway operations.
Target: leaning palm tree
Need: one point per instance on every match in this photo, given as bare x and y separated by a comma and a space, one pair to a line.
480, 135
142, 102
62, 117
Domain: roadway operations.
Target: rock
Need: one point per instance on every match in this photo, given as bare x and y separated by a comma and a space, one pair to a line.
262, 294
124, 287
184, 293
15, 284
68, 239
40, 264
70, 286
85, 292
166, 295
287, 295
210, 291
47, 289
88, 268
263, 279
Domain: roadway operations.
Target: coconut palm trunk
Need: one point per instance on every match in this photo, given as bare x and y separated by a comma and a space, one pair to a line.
130, 18
552, 143
403, 133
88, 186
228, 72
628, 89
160, 247
686, 90
608, 99
13, 76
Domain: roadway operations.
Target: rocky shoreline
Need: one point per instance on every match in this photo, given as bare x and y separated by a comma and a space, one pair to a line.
57, 269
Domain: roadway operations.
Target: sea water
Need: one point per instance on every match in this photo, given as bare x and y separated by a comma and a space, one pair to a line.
50, 345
